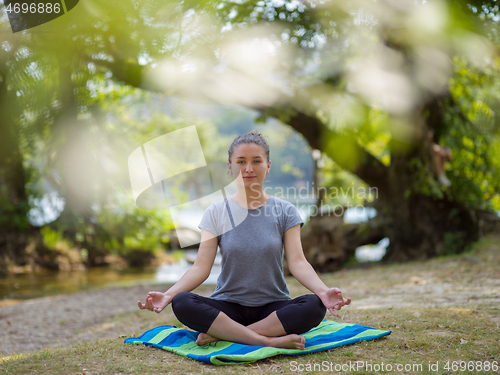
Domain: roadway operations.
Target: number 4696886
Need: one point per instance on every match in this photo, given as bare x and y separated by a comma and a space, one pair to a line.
33, 8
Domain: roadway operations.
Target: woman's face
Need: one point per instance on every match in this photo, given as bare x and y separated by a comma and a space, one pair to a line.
250, 160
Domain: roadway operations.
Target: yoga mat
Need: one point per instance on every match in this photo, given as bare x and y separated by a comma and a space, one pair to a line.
327, 335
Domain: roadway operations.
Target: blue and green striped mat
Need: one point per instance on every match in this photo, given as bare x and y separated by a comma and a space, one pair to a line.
326, 336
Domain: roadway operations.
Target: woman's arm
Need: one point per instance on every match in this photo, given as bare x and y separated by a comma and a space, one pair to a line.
192, 278
302, 270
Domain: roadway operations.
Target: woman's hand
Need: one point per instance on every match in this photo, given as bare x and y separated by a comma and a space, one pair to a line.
155, 301
333, 300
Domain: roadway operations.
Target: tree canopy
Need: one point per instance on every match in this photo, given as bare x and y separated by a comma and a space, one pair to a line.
362, 81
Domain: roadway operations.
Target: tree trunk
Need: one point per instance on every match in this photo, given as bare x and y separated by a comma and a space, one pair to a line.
418, 225
421, 226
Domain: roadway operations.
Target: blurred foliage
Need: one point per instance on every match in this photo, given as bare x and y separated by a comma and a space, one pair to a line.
129, 228
52, 238
473, 134
375, 135
341, 188
77, 88
291, 154
13, 214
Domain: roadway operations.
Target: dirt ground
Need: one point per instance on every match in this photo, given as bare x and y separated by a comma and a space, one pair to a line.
468, 280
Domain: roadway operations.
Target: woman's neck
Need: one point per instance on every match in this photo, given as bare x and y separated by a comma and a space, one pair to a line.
250, 198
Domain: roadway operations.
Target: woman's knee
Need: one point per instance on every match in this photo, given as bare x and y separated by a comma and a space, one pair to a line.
193, 311
315, 309
182, 302
305, 313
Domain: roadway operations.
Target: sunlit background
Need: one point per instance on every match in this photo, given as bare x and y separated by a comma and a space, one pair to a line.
346, 93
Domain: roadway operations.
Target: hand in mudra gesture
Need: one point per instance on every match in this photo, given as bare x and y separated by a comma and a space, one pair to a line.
155, 301
333, 300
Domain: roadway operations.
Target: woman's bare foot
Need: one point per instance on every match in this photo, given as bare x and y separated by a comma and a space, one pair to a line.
292, 341
205, 338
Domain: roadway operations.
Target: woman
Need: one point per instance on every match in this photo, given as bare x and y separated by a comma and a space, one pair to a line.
251, 304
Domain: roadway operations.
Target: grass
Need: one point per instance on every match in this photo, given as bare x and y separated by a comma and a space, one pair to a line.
441, 311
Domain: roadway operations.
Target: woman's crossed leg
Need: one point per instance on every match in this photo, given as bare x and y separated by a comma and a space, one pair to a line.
278, 324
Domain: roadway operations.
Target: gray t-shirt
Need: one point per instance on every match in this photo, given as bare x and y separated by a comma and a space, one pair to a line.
251, 245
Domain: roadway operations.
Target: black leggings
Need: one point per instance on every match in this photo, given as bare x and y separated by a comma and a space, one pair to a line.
297, 316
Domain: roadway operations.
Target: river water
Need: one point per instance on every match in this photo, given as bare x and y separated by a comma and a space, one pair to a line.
38, 284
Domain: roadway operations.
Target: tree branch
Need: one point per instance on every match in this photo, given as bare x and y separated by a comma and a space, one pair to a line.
341, 148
